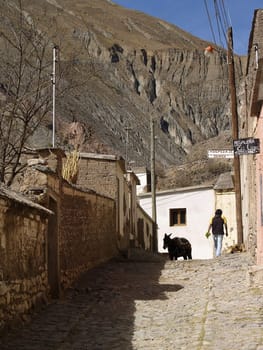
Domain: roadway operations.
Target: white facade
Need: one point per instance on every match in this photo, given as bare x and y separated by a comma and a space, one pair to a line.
143, 182
141, 174
199, 203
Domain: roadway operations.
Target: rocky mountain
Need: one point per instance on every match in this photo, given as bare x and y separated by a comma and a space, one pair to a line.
127, 69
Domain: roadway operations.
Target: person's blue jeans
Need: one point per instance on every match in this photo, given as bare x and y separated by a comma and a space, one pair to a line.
218, 239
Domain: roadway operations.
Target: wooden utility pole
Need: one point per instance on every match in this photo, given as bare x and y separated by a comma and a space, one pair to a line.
232, 87
153, 188
126, 147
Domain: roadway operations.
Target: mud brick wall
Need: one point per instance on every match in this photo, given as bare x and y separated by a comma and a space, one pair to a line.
87, 232
105, 174
99, 175
23, 270
144, 237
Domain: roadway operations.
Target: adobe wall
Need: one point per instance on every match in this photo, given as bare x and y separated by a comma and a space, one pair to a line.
85, 225
99, 175
87, 233
23, 272
144, 237
105, 174
82, 226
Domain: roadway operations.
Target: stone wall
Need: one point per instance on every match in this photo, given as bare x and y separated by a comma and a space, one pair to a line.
44, 249
86, 236
23, 269
99, 173
87, 233
144, 238
105, 174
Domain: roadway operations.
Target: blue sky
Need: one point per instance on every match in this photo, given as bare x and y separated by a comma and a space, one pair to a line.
191, 16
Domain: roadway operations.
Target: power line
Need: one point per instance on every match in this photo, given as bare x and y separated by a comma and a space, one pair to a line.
222, 21
210, 22
225, 16
220, 27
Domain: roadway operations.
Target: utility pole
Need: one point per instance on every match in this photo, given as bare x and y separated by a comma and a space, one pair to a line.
153, 188
53, 80
126, 146
232, 87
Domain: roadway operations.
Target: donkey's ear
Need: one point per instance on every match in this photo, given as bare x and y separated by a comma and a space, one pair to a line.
169, 235
165, 235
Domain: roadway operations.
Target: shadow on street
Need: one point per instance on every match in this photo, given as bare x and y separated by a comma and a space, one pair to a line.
98, 312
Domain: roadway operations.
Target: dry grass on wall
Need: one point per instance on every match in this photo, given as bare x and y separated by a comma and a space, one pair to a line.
71, 167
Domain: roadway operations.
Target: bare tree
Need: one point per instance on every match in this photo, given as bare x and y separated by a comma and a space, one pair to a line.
25, 96
25, 80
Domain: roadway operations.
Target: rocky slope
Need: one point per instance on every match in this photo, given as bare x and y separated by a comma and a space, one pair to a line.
128, 68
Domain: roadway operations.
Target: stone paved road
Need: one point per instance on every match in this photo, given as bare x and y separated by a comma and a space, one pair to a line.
157, 305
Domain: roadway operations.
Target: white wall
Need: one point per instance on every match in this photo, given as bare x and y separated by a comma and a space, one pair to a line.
143, 182
200, 206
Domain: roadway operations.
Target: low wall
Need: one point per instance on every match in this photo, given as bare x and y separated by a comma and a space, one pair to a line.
23, 272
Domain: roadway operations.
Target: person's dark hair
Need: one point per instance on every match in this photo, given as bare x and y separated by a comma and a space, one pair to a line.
218, 212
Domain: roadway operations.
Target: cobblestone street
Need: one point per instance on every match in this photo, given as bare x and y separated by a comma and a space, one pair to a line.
152, 304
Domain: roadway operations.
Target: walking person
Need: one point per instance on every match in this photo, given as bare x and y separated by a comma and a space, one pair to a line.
218, 223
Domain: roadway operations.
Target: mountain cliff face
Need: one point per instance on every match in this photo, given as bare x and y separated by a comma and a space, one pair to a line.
128, 68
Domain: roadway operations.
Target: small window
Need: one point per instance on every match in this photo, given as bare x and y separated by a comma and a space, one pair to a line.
177, 216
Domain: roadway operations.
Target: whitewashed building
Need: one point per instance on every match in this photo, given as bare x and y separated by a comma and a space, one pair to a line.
144, 176
184, 212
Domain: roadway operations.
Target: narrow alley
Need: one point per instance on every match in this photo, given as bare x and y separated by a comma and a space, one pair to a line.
148, 302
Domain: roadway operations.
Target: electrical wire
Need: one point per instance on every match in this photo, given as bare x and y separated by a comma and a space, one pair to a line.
222, 21
210, 22
220, 26
225, 16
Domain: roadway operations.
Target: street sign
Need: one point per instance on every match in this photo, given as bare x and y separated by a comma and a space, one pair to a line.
246, 146
221, 153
